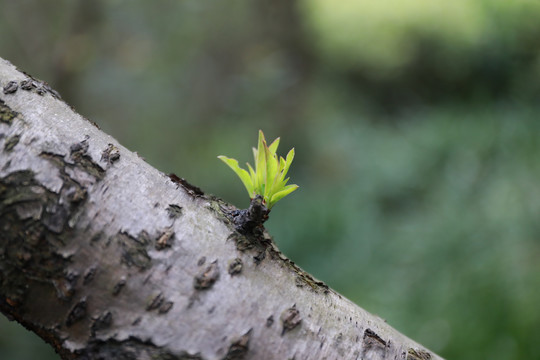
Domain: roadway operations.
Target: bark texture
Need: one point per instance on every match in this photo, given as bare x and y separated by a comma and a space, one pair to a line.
105, 257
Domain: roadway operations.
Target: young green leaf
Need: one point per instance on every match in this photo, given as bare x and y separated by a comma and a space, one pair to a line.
242, 174
281, 194
268, 177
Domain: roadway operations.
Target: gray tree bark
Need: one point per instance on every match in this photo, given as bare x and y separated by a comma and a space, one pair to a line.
105, 257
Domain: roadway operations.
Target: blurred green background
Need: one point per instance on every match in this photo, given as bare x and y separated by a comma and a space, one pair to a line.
415, 123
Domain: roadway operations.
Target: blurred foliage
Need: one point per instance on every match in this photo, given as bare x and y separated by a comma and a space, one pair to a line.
415, 125
18, 344
407, 51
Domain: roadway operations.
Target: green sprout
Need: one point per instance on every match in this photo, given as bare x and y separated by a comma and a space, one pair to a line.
268, 179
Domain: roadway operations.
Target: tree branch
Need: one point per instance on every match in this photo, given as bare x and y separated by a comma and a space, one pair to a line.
105, 257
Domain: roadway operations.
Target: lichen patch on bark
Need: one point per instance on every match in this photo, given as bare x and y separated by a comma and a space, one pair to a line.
174, 211
79, 155
11, 87
155, 302
165, 307
102, 322
110, 154
118, 287
165, 239
77, 313
89, 275
11, 142
131, 349
290, 319
6, 114
418, 354
373, 344
134, 249
32, 220
207, 277
239, 348
31, 84
235, 266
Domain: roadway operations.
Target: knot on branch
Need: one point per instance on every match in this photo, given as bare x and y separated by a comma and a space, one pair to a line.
250, 221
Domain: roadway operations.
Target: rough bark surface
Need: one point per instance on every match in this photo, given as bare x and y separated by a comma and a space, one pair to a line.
105, 257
